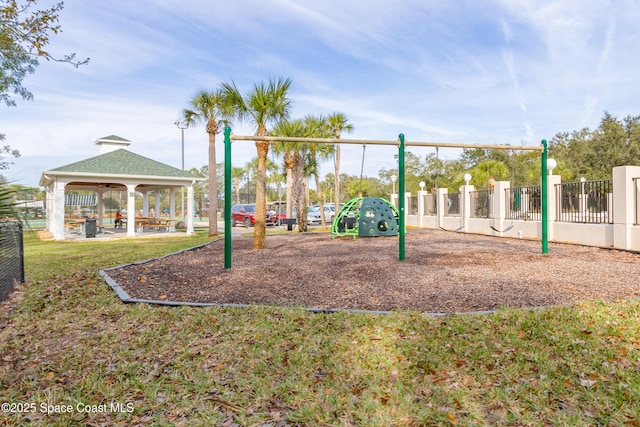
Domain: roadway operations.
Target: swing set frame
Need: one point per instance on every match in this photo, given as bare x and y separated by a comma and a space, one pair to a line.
401, 144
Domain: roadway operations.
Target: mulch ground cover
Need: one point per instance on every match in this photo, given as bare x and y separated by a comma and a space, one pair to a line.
443, 272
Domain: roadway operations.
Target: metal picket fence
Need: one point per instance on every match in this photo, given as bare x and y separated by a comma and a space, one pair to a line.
452, 204
11, 257
636, 191
412, 205
481, 203
585, 202
524, 203
430, 201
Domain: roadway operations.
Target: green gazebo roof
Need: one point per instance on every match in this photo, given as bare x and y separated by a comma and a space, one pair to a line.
123, 162
113, 138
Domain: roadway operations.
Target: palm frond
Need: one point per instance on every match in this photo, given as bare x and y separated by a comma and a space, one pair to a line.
203, 106
7, 205
232, 102
338, 123
280, 105
190, 117
292, 128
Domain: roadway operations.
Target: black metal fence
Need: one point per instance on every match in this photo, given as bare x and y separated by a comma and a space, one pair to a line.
412, 205
11, 257
524, 203
585, 201
636, 190
480, 203
452, 204
430, 204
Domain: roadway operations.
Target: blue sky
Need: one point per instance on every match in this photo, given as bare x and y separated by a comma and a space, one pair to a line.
500, 72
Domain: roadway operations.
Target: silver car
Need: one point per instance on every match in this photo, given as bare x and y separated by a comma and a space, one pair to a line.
314, 216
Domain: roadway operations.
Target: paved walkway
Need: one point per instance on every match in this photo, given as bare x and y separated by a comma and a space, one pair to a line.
109, 232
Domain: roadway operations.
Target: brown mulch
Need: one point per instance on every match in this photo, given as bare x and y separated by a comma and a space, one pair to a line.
443, 272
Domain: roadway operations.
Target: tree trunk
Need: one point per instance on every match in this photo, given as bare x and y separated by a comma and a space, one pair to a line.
289, 164
298, 191
323, 219
237, 180
212, 129
260, 228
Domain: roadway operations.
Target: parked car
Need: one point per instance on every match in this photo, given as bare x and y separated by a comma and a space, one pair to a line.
332, 206
278, 209
245, 214
314, 217
310, 218
277, 217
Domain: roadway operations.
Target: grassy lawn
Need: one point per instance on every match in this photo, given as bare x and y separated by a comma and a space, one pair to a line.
72, 354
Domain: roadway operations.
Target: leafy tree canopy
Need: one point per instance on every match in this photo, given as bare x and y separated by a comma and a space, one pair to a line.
24, 35
593, 154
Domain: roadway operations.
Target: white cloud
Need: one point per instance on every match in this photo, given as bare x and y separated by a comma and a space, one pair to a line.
500, 72
509, 62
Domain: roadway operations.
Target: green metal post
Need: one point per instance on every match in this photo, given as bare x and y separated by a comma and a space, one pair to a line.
227, 197
545, 200
401, 231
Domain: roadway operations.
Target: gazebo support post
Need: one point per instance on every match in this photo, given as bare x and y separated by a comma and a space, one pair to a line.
131, 210
190, 210
57, 222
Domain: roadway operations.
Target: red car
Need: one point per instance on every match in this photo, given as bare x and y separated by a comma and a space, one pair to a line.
245, 214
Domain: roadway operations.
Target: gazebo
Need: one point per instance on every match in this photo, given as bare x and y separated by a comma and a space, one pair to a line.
116, 169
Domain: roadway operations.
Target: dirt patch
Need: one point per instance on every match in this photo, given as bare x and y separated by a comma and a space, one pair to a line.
443, 272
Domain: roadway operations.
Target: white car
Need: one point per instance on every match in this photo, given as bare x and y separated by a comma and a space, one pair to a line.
314, 217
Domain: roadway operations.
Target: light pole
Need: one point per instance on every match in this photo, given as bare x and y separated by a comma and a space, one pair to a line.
182, 128
393, 180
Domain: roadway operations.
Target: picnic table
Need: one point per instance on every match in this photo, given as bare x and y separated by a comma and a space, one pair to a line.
160, 224
78, 225
74, 225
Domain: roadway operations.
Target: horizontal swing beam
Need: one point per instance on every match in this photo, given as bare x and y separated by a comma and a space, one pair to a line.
382, 142
463, 145
317, 140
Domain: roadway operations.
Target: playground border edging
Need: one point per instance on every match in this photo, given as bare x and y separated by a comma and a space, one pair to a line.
126, 298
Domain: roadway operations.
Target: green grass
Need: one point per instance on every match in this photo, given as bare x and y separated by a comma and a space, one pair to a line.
66, 339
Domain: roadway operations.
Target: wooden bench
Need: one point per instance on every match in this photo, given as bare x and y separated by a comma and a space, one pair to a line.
74, 225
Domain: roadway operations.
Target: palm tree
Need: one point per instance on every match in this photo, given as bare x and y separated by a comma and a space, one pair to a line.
317, 127
200, 190
251, 172
266, 103
206, 107
338, 122
484, 171
294, 164
273, 179
6, 201
236, 173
